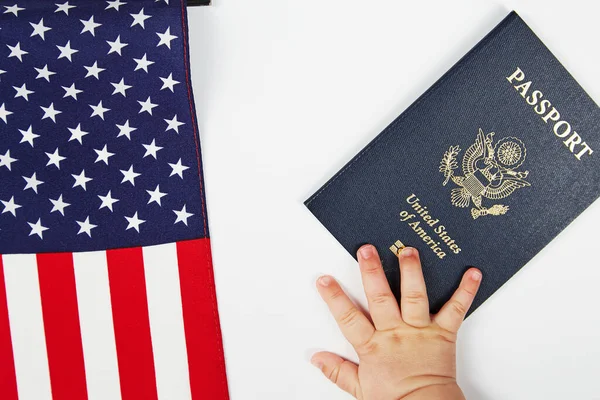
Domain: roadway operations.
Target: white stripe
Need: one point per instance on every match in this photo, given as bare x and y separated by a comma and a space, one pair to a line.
166, 322
27, 327
97, 332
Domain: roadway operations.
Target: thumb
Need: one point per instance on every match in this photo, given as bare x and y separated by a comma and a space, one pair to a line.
339, 371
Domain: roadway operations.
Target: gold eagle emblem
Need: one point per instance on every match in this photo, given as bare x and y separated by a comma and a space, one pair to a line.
488, 171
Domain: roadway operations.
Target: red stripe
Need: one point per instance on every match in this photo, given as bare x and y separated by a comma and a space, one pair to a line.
8, 379
61, 326
132, 324
208, 379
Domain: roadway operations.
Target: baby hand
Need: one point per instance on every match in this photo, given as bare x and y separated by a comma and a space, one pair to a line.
405, 353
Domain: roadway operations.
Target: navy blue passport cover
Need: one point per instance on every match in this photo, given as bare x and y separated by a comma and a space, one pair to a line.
484, 169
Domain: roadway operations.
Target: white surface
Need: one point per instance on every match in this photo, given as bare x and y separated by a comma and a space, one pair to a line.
287, 92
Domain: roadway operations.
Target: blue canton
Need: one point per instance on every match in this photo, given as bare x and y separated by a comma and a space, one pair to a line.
98, 139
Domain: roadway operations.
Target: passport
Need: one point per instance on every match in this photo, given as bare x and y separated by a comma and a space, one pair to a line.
192, 3
484, 169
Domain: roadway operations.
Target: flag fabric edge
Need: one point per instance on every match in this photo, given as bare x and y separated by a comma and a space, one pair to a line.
187, 281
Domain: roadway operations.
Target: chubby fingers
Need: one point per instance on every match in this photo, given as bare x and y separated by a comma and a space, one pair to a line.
383, 306
352, 322
453, 313
339, 371
414, 303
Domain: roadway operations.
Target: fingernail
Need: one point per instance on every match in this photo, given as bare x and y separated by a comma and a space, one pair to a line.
366, 251
476, 276
324, 281
408, 252
317, 363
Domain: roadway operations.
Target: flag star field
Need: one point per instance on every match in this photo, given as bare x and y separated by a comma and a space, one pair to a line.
97, 142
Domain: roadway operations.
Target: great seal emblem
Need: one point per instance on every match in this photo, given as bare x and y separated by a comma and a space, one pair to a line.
488, 171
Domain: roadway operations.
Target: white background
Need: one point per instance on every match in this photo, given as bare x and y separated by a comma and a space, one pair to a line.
287, 91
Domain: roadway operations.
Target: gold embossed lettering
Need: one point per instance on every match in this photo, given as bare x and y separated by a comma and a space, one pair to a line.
518, 75
586, 150
553, 115
534, 98
522, 89
573, 141
567, 130
421, 229
542, 107
561, 127
414, 225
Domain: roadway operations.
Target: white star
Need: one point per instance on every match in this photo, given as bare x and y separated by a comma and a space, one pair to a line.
129, 176
28, 136
90, 26
77, 134
94, 70
37, 228
147, 106
125, 130
10, 206
155, 195
23, 92
59, 205
39, 29
182, 216
13, 9
81, 180
63, 7
16, 51
151, 149
139, 18
107, 201
173, 124
99, 110
4, 113
169, 83
121, 87
32, 183
2, 72
166, 1
116, 46
134, 222
103, 155
71, 91
142, 63
178, 169
44, 73
50, 112
66, 51
55, 159
85, 227
6, 160
165, 38
115, 4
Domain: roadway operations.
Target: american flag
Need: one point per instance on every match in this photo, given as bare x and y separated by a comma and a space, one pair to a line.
106, 282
